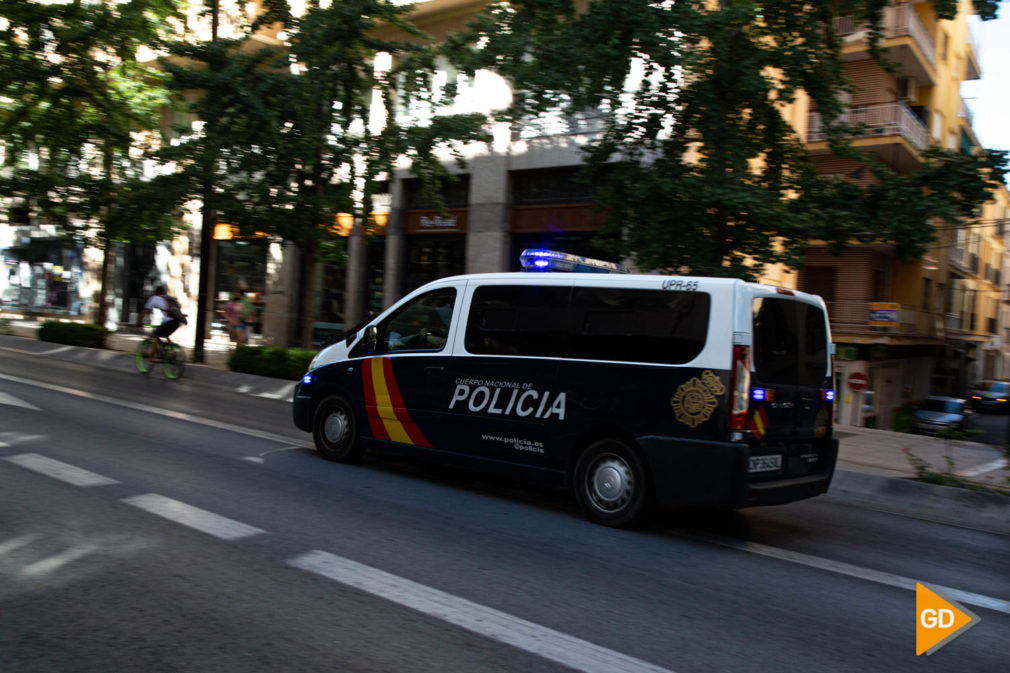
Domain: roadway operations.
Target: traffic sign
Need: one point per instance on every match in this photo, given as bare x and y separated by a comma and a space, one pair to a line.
857, 381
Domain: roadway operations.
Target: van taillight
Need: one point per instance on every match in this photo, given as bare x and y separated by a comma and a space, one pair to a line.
740, 387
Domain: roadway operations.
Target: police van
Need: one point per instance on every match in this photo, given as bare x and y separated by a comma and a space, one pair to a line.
632, 390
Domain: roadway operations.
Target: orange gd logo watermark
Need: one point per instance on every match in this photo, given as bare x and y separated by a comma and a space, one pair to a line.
938, 619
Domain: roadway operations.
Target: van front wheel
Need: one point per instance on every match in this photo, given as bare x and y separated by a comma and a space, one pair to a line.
612, 484
335, 432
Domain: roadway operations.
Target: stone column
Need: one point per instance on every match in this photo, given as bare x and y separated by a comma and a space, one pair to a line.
393, 273
487, 241
354, 304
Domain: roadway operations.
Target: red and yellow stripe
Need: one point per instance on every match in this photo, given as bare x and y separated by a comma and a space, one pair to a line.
759, 422
387, 415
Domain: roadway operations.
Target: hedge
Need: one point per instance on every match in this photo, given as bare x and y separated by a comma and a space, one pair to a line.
280, 363
73, 333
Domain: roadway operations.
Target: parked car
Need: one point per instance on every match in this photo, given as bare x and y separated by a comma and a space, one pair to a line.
937, 414
991, 396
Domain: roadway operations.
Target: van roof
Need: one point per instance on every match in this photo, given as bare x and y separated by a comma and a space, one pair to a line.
611, 279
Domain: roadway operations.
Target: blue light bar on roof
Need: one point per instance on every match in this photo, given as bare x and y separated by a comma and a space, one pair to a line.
551, 260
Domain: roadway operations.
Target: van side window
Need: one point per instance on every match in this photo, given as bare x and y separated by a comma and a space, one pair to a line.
421, 325
519, 320
655, 326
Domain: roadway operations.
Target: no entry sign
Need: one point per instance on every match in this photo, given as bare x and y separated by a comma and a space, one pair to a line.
857, 381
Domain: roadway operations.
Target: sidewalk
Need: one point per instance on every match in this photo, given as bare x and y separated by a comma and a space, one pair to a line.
873, 465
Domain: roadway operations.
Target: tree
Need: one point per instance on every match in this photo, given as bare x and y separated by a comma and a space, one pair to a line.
292, 132
703, 172
78, 113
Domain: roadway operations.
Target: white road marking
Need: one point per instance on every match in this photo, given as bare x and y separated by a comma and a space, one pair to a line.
283, 393
59, 470
16, 543
61, 349
841, 568
57, 561
10, 400
194, 517
982, 469
11, 438
168, 413
566, 650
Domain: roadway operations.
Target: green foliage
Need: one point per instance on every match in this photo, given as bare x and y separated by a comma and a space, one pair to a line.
284, 152
703, 173
71, 94
281, 363
73, 333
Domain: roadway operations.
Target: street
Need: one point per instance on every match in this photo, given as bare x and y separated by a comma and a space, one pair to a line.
153, 525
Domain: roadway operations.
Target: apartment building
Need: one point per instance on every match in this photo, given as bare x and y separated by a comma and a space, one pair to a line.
904, 331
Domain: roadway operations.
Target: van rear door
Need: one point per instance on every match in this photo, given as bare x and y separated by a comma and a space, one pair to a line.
791, 374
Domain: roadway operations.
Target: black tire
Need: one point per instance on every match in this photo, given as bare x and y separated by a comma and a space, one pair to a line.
335, 430
612, 484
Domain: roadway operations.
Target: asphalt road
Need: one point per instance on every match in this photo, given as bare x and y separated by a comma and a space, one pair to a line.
205, 536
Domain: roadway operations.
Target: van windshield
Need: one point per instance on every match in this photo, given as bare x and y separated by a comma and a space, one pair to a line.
992, 386
790, 342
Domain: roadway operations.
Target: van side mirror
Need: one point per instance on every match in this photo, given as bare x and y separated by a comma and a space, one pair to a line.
371, 339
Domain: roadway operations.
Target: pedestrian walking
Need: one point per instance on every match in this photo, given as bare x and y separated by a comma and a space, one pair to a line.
233, 315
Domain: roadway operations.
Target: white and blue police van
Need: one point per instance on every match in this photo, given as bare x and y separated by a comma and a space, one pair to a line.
632, 390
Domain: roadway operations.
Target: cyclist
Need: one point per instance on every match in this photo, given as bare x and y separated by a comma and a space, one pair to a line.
171, 317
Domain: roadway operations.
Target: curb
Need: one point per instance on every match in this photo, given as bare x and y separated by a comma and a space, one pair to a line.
947, 504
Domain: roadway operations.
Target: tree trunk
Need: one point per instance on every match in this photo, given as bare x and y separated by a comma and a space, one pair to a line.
103, 291
308, 294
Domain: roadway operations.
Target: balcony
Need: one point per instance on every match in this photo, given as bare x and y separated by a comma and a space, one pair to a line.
852, 317
966, 114
905, 40
882, 124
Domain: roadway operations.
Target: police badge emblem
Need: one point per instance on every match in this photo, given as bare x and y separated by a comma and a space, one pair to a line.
695, 400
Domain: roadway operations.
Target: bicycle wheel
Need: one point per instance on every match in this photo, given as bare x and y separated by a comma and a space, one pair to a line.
145, 356
174, 361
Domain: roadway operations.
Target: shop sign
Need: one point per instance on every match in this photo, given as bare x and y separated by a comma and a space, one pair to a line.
432, 222
884, 313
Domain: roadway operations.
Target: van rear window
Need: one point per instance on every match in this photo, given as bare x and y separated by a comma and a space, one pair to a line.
591, 323
790, 342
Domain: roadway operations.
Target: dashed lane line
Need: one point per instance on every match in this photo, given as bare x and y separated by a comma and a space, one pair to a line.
193, 517
542, 641
59, 470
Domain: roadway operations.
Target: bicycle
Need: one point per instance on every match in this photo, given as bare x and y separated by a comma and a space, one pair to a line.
173, 357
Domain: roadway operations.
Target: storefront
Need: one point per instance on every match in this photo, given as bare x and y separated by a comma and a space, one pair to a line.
43, 275
241, 268
435, 240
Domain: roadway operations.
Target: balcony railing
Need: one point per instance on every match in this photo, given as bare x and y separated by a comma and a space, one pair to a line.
852, 316
966, 113
898, 21
883, 119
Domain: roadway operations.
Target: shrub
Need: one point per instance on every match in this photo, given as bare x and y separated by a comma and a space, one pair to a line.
73, 333
280, 363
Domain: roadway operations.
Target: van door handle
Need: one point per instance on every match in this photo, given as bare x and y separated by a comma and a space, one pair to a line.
434, 369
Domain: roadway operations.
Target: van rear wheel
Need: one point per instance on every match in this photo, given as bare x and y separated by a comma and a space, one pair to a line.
612, 484
335, 430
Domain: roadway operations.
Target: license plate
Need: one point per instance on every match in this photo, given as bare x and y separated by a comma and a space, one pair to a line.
765, 463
